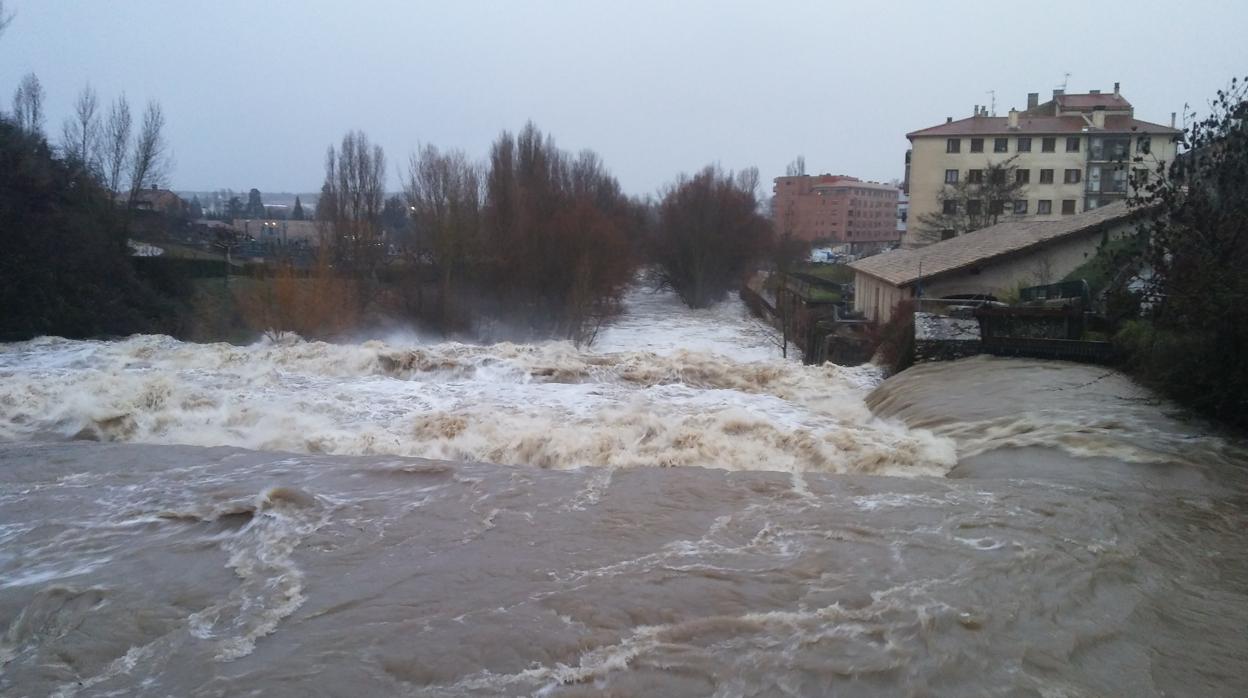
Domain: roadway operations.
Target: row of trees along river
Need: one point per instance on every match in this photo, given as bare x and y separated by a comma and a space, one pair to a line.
536, 242
532, 242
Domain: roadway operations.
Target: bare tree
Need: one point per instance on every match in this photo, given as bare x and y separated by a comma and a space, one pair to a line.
353, 197
114, 146
445, 194
981, 198
786, 250
80, 134
4, 18
28, 104
149, 164
709, 234
557, 226
797, 168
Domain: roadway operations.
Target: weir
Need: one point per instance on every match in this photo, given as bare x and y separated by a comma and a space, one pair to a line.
1052, 323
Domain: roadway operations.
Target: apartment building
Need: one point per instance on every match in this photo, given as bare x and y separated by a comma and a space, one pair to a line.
836, 209
1075, 152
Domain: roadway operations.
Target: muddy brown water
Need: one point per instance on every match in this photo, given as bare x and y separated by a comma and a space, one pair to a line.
1042, 529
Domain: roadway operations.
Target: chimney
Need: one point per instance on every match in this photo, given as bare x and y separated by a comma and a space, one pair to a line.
1013, 118
1033, 100
1094, 92
1098, 117
1172, 119
1115, 88
975, 110
949, 119
1058, 93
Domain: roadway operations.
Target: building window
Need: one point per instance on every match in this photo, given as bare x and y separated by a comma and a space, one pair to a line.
1000, 145
977, 145
975, 176
1020, 206
1022, 176
974, 207
996, 176
1072, 177
1024, 144
1072, 145
996, 207
1139, 177
1091, 203
1143, 145
1120, 179
1068, 206
953, 145
1044, 207
1046, 176
1048, 145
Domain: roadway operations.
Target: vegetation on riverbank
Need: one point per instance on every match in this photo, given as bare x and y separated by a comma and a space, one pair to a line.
66, 266
536, 243
1192, 330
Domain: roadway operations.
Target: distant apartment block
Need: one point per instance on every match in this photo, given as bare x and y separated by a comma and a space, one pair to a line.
1075, 152
836, 209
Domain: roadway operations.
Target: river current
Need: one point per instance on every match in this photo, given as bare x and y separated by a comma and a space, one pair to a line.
675, 511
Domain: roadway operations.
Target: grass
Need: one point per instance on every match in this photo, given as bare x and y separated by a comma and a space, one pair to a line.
839, 273
820, 295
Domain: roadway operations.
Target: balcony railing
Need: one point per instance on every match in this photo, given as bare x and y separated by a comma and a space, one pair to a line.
1109, 150
1109, 187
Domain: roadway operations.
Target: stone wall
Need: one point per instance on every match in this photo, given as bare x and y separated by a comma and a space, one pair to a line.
945, 337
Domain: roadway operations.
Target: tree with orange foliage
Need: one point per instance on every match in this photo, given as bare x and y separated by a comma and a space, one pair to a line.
311, 303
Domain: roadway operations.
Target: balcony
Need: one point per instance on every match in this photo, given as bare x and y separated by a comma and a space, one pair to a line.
1107, 187
1109, 149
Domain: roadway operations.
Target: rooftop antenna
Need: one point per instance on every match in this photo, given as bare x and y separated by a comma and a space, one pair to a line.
993, 94
1065, 80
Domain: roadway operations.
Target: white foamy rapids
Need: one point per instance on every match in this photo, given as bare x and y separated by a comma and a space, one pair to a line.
664, 387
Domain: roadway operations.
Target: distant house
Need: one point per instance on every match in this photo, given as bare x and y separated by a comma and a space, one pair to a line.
283, 232
160, 201
987, 262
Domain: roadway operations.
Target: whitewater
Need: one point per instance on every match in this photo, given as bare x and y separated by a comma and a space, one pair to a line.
665, 386
675, 511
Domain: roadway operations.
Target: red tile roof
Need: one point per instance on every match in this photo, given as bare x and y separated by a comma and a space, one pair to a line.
1089, 101
1030, 125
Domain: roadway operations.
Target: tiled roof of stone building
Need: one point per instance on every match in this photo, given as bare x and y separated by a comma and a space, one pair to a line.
1033, 125
903, 267
1107, 100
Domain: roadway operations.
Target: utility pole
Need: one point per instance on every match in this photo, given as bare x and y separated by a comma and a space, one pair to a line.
227, 243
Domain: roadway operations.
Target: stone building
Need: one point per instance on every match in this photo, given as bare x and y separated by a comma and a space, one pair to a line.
1073, 153
986, 263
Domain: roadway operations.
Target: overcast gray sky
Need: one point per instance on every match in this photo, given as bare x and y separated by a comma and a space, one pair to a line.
254, 90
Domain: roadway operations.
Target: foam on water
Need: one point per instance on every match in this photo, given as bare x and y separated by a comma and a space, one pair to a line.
664, 386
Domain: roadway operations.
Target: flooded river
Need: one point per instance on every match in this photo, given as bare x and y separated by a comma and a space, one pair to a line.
676, 511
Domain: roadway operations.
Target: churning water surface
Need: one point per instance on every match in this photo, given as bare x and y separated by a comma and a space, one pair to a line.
677, 511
